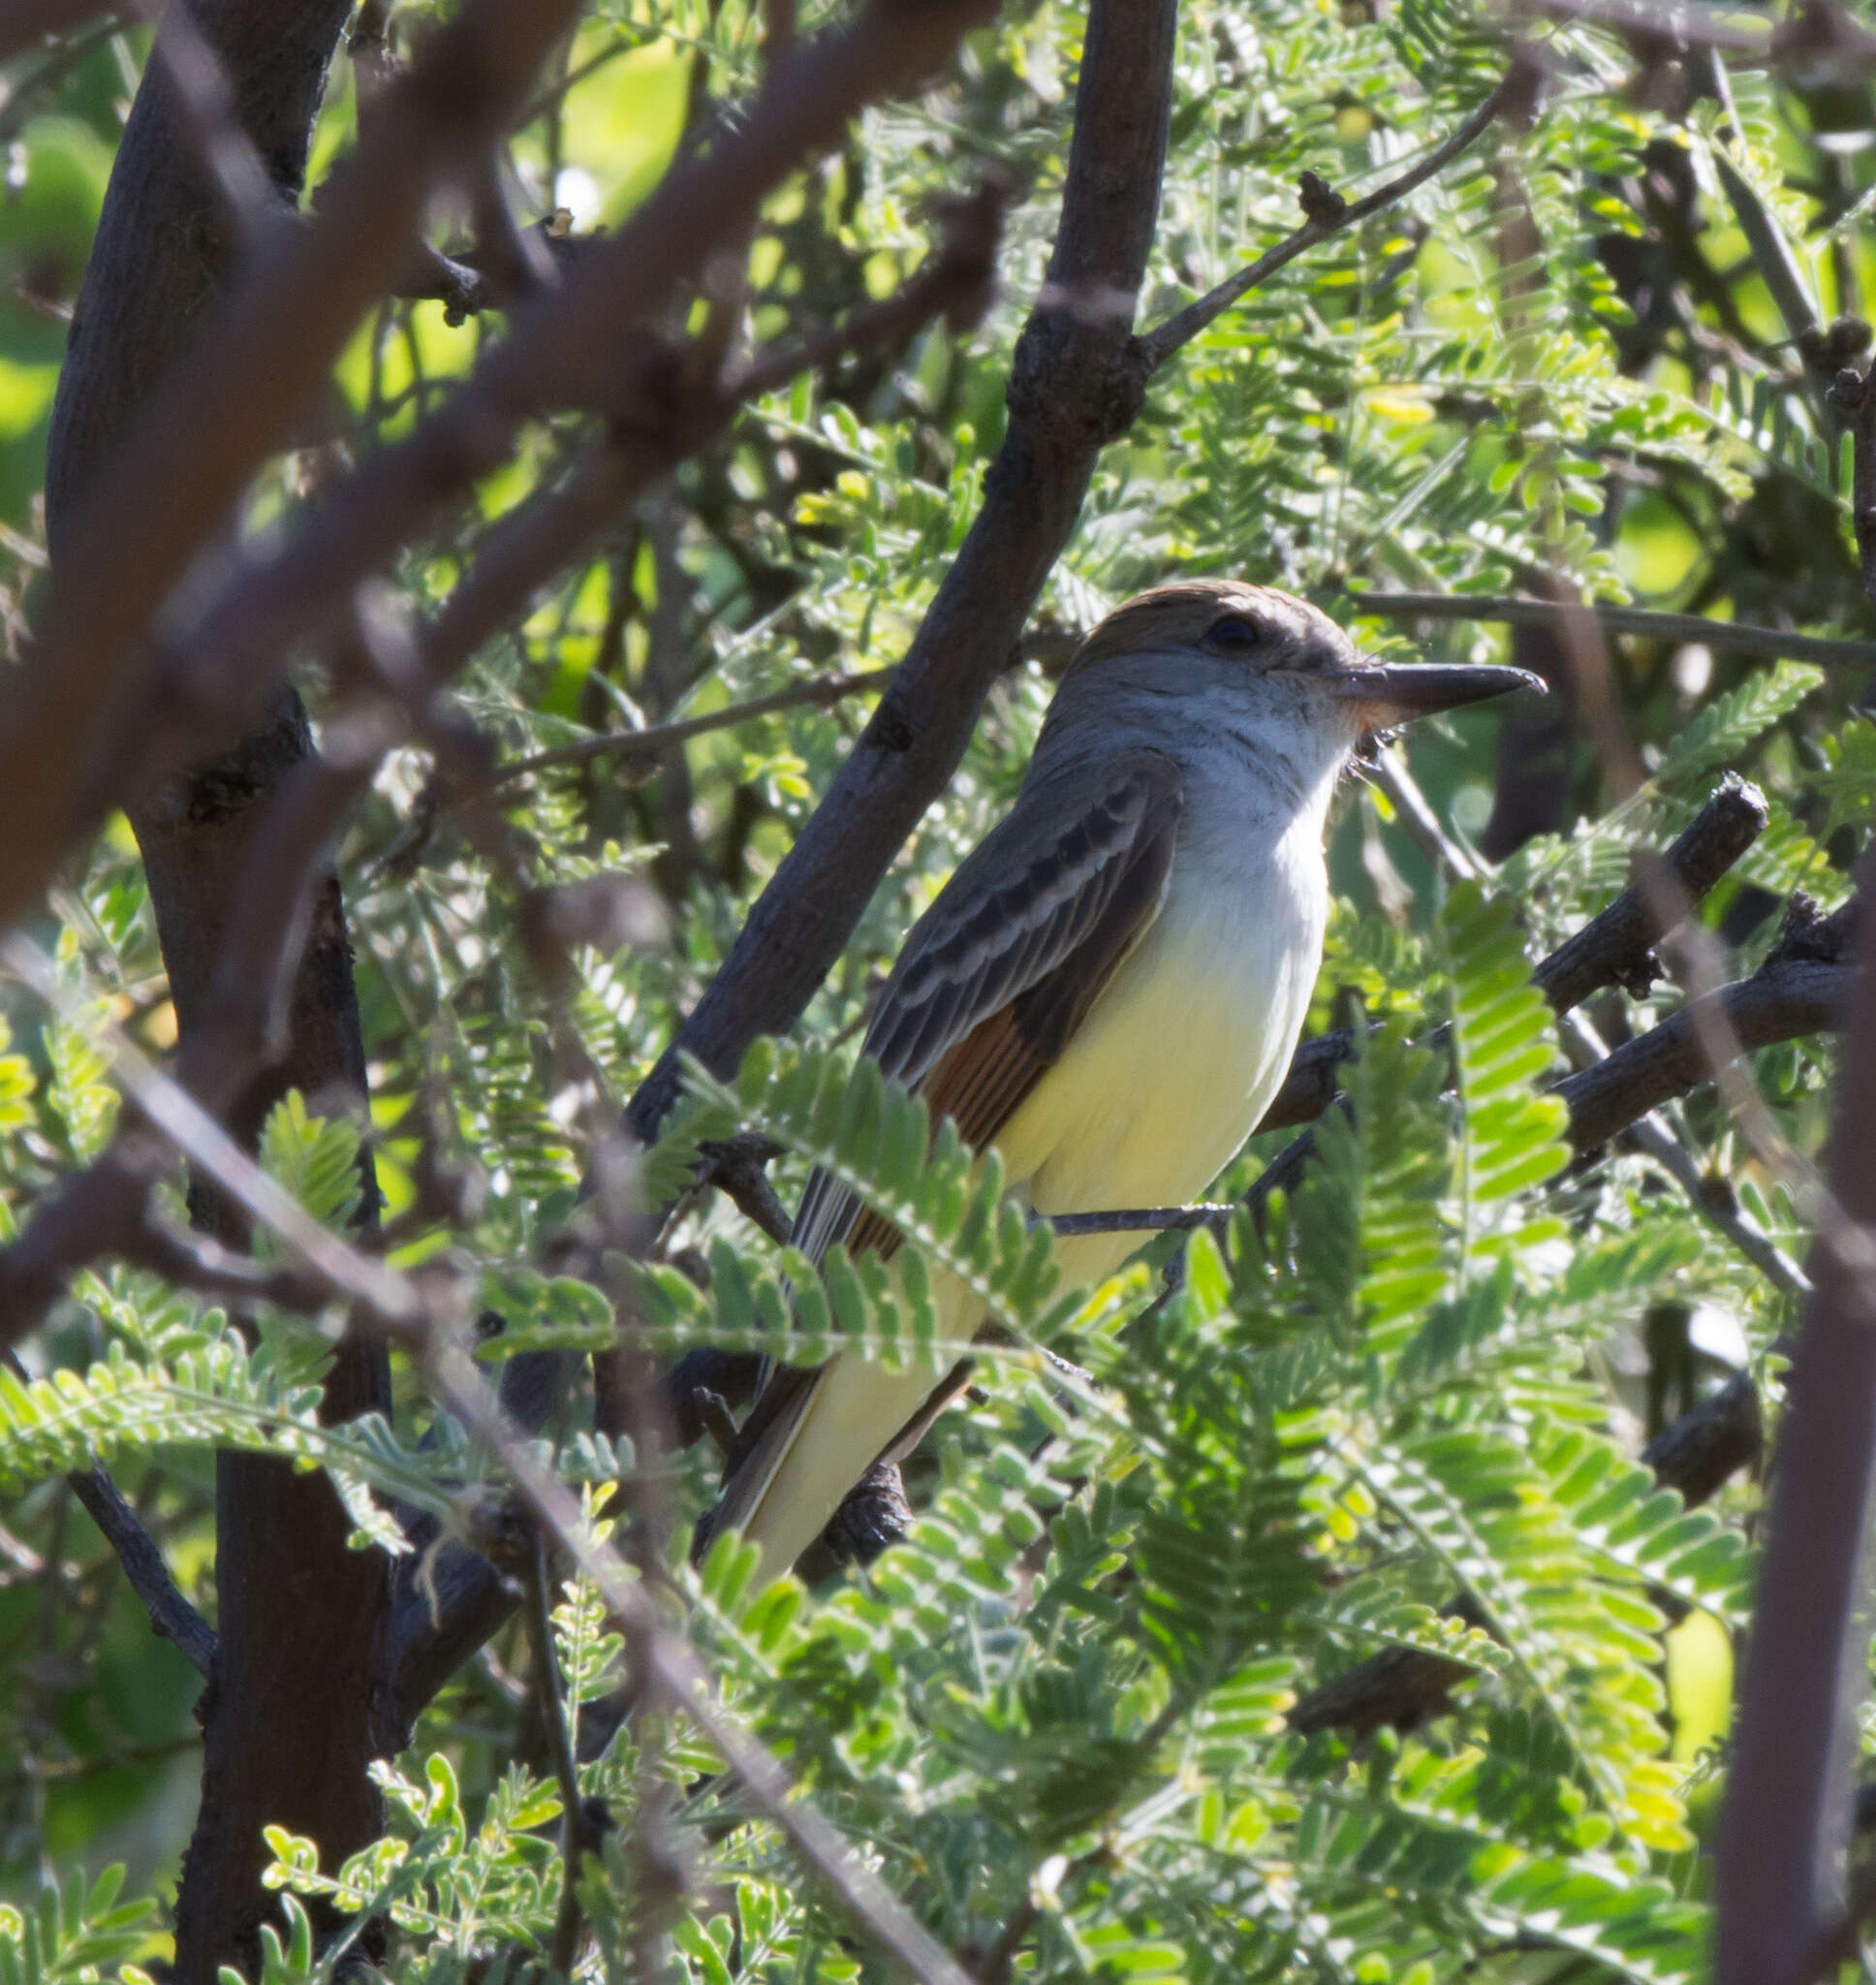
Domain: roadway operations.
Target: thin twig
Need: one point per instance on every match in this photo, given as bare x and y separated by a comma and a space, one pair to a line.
552, 1702
385, 1296
1328, 213
1390, 773
458, 1386
1727, 635
171, 1615
1860, 397
819, 692
1145, 1219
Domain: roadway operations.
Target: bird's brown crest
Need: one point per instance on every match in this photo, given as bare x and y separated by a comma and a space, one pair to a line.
1179, 617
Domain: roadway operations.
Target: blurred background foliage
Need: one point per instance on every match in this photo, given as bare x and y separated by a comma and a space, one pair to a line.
1560, 366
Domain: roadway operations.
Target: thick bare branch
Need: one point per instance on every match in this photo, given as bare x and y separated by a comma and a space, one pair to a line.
1616, 947
1785, 998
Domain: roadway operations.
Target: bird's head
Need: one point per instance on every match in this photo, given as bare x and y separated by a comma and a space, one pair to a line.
1254, 651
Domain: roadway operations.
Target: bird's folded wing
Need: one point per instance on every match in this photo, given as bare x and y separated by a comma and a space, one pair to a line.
990, 985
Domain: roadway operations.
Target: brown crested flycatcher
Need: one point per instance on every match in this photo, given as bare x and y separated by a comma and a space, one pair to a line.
1111, 987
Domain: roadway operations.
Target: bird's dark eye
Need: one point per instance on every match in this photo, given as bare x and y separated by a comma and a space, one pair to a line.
1234, 631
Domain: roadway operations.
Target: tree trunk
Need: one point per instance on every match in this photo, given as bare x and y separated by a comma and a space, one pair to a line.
293, 1710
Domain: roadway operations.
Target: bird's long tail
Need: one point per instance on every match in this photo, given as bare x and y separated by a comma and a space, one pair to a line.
801, 1466
828, 1430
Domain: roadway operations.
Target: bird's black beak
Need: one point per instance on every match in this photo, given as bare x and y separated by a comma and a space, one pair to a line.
1391, 693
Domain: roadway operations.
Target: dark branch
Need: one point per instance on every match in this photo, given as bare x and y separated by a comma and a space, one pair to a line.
1708, 1446
1785, 1827
1784, 999
1145, 1219
1616, 946
171, 1614
1612, 949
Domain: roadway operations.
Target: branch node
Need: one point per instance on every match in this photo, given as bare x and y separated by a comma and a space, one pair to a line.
1322, 206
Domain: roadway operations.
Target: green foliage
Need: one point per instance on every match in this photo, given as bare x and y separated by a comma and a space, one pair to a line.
74, 1936
873, 1138
1399, 1414
315, 1158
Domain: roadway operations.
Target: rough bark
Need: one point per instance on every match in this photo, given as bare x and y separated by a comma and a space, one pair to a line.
292, 1712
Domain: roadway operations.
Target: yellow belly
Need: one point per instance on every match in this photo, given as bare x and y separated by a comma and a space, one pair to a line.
1167, 1077
1162, 1082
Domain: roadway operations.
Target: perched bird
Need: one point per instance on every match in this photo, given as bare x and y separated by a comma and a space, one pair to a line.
1111, 987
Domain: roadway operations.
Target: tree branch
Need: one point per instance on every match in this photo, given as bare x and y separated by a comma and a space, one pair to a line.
1786, 1819
171, 1614
1785, 1827
1612, 949
566, 1767
1616, 947
1858, 397
643, 749
1785, 998
1328, 213
1730, 637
